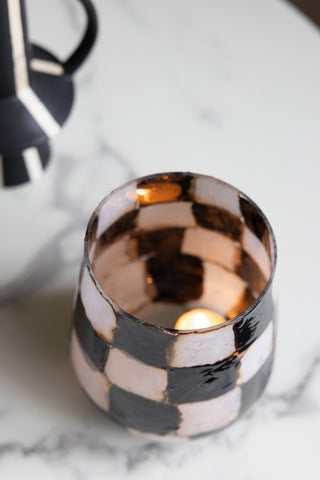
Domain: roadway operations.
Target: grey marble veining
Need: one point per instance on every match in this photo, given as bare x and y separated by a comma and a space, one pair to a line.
229, 89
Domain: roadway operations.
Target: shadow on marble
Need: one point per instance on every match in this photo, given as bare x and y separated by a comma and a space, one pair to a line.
36, 370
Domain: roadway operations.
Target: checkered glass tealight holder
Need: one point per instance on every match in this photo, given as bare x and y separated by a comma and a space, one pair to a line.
156, 248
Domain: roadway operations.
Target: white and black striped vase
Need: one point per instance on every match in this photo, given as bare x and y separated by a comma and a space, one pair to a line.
36, 93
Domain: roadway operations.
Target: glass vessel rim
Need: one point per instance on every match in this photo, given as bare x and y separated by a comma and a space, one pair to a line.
135, 319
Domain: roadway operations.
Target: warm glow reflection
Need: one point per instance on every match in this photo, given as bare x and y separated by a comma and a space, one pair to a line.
158, 193
198, 318
142, 191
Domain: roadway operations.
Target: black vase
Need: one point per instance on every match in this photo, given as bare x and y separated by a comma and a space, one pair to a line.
36, 93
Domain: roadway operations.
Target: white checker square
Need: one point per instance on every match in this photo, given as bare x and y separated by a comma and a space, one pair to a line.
135, 376
127, 285
202, 417
255, 356
222, 289
166, 215
203, 348
98, 310
219, 195
117, 205
255, 248
114, 256
212, 246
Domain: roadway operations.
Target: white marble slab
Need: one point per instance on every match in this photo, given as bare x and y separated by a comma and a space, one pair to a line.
230, 89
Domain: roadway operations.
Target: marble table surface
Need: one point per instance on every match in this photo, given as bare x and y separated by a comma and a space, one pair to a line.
229, 89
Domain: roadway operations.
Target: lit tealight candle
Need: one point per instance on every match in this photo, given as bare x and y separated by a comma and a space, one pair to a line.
198, 318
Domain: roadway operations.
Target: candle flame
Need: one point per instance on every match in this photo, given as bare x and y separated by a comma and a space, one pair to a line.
198, 318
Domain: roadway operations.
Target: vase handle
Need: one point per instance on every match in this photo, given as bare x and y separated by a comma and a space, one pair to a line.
86, 44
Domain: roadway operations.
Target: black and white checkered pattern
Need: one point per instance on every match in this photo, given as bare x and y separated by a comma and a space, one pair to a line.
172, 246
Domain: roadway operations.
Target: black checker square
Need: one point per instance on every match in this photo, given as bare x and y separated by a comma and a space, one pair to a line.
251, 325
178, 279
253, 218
94, 346
249, 271
253, 389
215, 218
140, 413
255, 222
196, 384
165, 242
143, 342
122, 225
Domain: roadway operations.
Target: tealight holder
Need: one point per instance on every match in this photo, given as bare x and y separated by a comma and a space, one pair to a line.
173, 333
